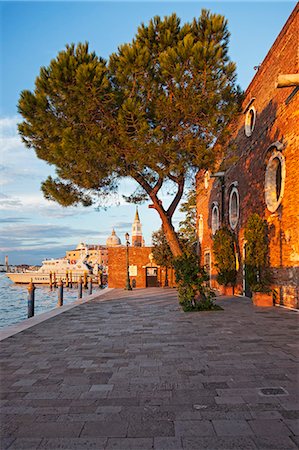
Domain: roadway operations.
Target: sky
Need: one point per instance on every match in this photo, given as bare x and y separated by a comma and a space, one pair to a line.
32, 33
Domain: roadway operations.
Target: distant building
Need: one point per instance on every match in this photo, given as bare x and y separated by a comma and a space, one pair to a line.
137, 239
113, 240
143, 270
260, 173
95, 254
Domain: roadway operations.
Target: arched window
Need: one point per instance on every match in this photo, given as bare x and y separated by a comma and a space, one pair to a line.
215, 218
250, 121
275, 181
233, 208
206, 179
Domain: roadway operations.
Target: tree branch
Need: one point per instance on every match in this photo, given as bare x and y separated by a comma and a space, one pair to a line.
177, 198
158, 186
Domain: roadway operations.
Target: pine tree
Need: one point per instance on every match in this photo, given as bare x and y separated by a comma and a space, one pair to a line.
152, 112
187, 227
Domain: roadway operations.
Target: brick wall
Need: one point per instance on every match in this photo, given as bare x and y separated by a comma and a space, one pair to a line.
138, 256
276, 121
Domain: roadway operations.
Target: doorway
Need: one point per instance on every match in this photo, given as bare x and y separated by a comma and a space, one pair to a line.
151, 277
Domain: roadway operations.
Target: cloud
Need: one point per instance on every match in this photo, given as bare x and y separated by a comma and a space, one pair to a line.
34, 256
13, 219
8, 202
17, 237
8, 125
123, 225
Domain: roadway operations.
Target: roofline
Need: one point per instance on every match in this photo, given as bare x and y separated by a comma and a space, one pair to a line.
273, 48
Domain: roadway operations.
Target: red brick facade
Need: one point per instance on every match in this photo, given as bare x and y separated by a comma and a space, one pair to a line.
251, 165
141, 265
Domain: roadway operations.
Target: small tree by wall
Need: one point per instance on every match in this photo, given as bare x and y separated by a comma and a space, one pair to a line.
257, 254
224, 255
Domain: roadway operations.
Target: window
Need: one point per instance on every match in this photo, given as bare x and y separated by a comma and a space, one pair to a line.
275, 181
206, 179
250, 121
215, 218
200, 228
233, 209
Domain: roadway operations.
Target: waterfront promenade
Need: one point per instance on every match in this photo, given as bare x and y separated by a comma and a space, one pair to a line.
130, 370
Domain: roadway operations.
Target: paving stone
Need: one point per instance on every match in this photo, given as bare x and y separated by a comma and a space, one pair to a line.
129, 444
218, 443
6, 442
194, 428
167, 443
269, 427
293, 425
232, 428
105, 429
73, 444
50, 429
274, 443
28, 444
151, 428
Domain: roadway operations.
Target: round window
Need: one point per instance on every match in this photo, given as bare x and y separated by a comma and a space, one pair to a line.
200, 228
215, 219
250, 121
233, 208
275, 181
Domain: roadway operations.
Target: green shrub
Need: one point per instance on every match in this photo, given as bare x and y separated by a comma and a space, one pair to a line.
257, 254
194, 292
224, 255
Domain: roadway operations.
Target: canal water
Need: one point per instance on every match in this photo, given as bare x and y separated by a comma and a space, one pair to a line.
13, 300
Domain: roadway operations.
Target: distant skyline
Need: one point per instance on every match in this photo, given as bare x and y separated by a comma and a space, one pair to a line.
32, 33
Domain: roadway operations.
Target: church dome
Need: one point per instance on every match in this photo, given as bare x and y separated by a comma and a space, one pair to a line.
113, 240
81, 246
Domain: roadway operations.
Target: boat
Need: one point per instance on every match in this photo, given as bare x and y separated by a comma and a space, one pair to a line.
60, 269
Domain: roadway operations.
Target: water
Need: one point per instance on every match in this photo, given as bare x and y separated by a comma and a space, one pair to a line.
13, 300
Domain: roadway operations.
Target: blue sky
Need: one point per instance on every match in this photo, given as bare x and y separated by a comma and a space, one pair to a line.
32, 33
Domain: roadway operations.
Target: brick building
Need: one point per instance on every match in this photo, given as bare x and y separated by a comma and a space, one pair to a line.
260, 171
143, 270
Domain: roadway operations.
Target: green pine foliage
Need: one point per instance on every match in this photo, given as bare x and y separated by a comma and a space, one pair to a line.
161, 250
152, 112
187, 227
257, 254
224, 255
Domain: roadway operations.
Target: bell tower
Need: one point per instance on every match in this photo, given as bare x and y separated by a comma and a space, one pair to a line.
137, 239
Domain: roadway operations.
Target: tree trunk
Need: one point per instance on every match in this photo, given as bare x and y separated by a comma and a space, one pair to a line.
168, 229
165, 216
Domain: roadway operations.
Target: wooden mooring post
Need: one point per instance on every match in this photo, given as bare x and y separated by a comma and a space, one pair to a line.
89, 285
85, 280
31, 289
60, 293
66, 279
80, 287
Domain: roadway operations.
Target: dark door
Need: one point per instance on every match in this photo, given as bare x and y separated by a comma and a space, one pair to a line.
151, 277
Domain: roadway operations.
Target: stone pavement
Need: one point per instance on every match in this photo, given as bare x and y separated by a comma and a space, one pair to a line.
135, 372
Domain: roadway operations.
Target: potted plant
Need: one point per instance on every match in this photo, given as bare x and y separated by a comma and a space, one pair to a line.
225, 260
257, 261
